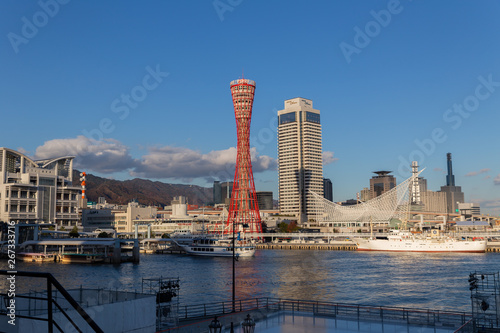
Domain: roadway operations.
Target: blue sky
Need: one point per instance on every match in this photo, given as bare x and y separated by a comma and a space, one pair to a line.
141, 89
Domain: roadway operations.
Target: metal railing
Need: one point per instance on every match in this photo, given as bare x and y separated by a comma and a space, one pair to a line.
51, 302
409, 316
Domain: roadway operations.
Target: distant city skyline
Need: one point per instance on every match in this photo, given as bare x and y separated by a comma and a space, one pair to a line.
141, 90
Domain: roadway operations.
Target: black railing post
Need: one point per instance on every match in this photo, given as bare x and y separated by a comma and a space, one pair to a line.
49, 306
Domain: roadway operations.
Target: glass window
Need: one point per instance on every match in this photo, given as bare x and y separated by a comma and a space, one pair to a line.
287, 118
312, 117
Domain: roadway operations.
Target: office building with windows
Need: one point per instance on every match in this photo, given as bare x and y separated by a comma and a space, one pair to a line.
381, 183
300, 166
37, 191
327, 189
265, 200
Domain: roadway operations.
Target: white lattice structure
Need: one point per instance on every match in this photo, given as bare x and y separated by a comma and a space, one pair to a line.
390, 205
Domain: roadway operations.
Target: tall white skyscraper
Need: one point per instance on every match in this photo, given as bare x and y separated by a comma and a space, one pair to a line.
300, 163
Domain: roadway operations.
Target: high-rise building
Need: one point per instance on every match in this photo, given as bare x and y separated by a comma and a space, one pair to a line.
265, 200
243, 209
217, 192
381, 183
37, 191
454, 194
300, 164
226, 191
327, 189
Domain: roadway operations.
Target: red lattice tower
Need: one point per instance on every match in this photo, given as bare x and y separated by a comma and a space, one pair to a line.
243, 209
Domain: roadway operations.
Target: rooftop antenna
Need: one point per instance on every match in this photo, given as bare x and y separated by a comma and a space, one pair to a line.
242, 73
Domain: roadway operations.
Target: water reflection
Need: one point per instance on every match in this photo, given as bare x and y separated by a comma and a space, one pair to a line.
436, 281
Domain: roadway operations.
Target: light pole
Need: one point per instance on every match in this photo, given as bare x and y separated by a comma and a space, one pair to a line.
234, 284
215, 326
248, 325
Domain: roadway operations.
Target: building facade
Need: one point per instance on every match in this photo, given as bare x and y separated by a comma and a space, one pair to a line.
469, 209
300, 164
381, 183
454, 194
327, 189
93, 219
37, 191
217, 192
125, 220
265, 200
434, 202
226, 192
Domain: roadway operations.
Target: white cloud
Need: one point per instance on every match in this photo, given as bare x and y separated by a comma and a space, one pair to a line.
186, 164
109, 156
488, 206
475, 173
496, 181
104, 156
328, 157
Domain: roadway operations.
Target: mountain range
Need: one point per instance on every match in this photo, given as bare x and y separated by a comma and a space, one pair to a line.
144, 191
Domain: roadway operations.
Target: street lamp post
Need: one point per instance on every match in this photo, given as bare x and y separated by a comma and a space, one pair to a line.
234, 284
248, 325
215, 326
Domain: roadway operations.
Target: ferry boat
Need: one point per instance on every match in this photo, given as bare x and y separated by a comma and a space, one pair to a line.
81, 258
183, 237
218, 247
435, 241
35, 257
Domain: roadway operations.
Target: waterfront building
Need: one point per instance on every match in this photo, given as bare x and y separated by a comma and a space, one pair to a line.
265, 200
381, 183
93, 219
125, 220
327, 189
300, 166
39, 191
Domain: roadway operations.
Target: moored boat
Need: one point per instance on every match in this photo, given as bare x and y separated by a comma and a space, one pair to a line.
82, 258
35, 257
218, 247
435, 241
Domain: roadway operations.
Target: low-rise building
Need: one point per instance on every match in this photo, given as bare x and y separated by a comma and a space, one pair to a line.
39, 191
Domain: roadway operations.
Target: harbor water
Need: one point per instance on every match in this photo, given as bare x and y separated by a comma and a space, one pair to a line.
435, 281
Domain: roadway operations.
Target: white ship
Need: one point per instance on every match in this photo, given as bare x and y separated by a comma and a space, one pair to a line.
218, 247
405, 241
